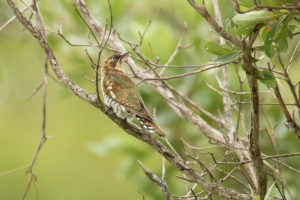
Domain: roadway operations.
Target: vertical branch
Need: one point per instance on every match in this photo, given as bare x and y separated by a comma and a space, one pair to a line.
225, 83
43, 137
289, 82
290, 123
254, 133
240, 105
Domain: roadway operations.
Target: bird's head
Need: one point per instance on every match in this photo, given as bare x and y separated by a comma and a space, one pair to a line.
115, 61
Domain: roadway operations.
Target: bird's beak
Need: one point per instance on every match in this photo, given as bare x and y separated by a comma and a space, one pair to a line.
124, 55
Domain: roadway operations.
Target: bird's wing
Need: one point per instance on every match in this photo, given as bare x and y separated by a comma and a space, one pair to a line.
124, 91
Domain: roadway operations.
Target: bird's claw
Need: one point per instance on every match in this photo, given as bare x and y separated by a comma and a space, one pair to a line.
107, 109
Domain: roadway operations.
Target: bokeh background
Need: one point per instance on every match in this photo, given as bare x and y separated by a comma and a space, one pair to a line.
89, 157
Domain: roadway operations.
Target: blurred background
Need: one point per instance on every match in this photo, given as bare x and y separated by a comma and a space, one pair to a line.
89, 157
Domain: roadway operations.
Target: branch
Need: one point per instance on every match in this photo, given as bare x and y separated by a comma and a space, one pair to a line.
254, 134
291, 124
160, 86
159, 182
289, 82
261, 178
8, 22
165, 90
43, 138
225, 83
13, 170
129, 128
186, 74
175, 52
222, 32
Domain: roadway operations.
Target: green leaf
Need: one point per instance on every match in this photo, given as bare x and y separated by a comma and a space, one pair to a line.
244, 30
231, 30
230, 27
267, 197
269, 50
228, 58
283, 43
246, 3
264, 31
249, 3
289, 34
256, 17
237, 30
282, 28
216, 48
271, 2
266, 77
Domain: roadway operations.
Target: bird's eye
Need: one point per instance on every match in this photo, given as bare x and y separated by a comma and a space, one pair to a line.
116, 58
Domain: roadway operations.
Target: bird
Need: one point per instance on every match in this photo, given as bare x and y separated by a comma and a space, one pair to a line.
121, 94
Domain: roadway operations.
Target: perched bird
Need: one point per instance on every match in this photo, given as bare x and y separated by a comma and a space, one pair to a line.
121, 94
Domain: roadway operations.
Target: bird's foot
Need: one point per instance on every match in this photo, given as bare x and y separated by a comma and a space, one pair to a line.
107, 109
125, 120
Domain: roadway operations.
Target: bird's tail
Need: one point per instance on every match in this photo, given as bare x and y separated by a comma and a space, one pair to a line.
150, 126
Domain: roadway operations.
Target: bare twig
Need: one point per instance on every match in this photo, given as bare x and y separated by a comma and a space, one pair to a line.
13, 170
225, 83
176, 50
128, 127
35, 91
186, 74
8, 22
289, 82
291, 124
43, 137
294, 56
260, 178
159, 182
142, 35
203, 12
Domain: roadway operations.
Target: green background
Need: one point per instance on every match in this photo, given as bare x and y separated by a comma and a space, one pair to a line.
89, 157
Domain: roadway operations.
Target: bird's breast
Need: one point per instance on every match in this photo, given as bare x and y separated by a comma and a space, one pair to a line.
112, 101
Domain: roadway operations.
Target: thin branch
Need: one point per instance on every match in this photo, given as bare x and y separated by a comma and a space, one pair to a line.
203, 12
59, 32
8, 22
289, 82
291, 124
43, 137
142, 35
294, 56
13, 170
176, 50
234, 178
263, 104
35, 91
287, 166
128, 127
159, 182
186, 74
225, 83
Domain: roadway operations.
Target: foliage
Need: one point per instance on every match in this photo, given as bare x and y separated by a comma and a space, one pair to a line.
67, 169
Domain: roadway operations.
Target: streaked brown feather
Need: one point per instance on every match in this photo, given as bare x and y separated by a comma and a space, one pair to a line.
120, 92
125, 92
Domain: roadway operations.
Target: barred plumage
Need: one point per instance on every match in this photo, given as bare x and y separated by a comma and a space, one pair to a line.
120, 93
